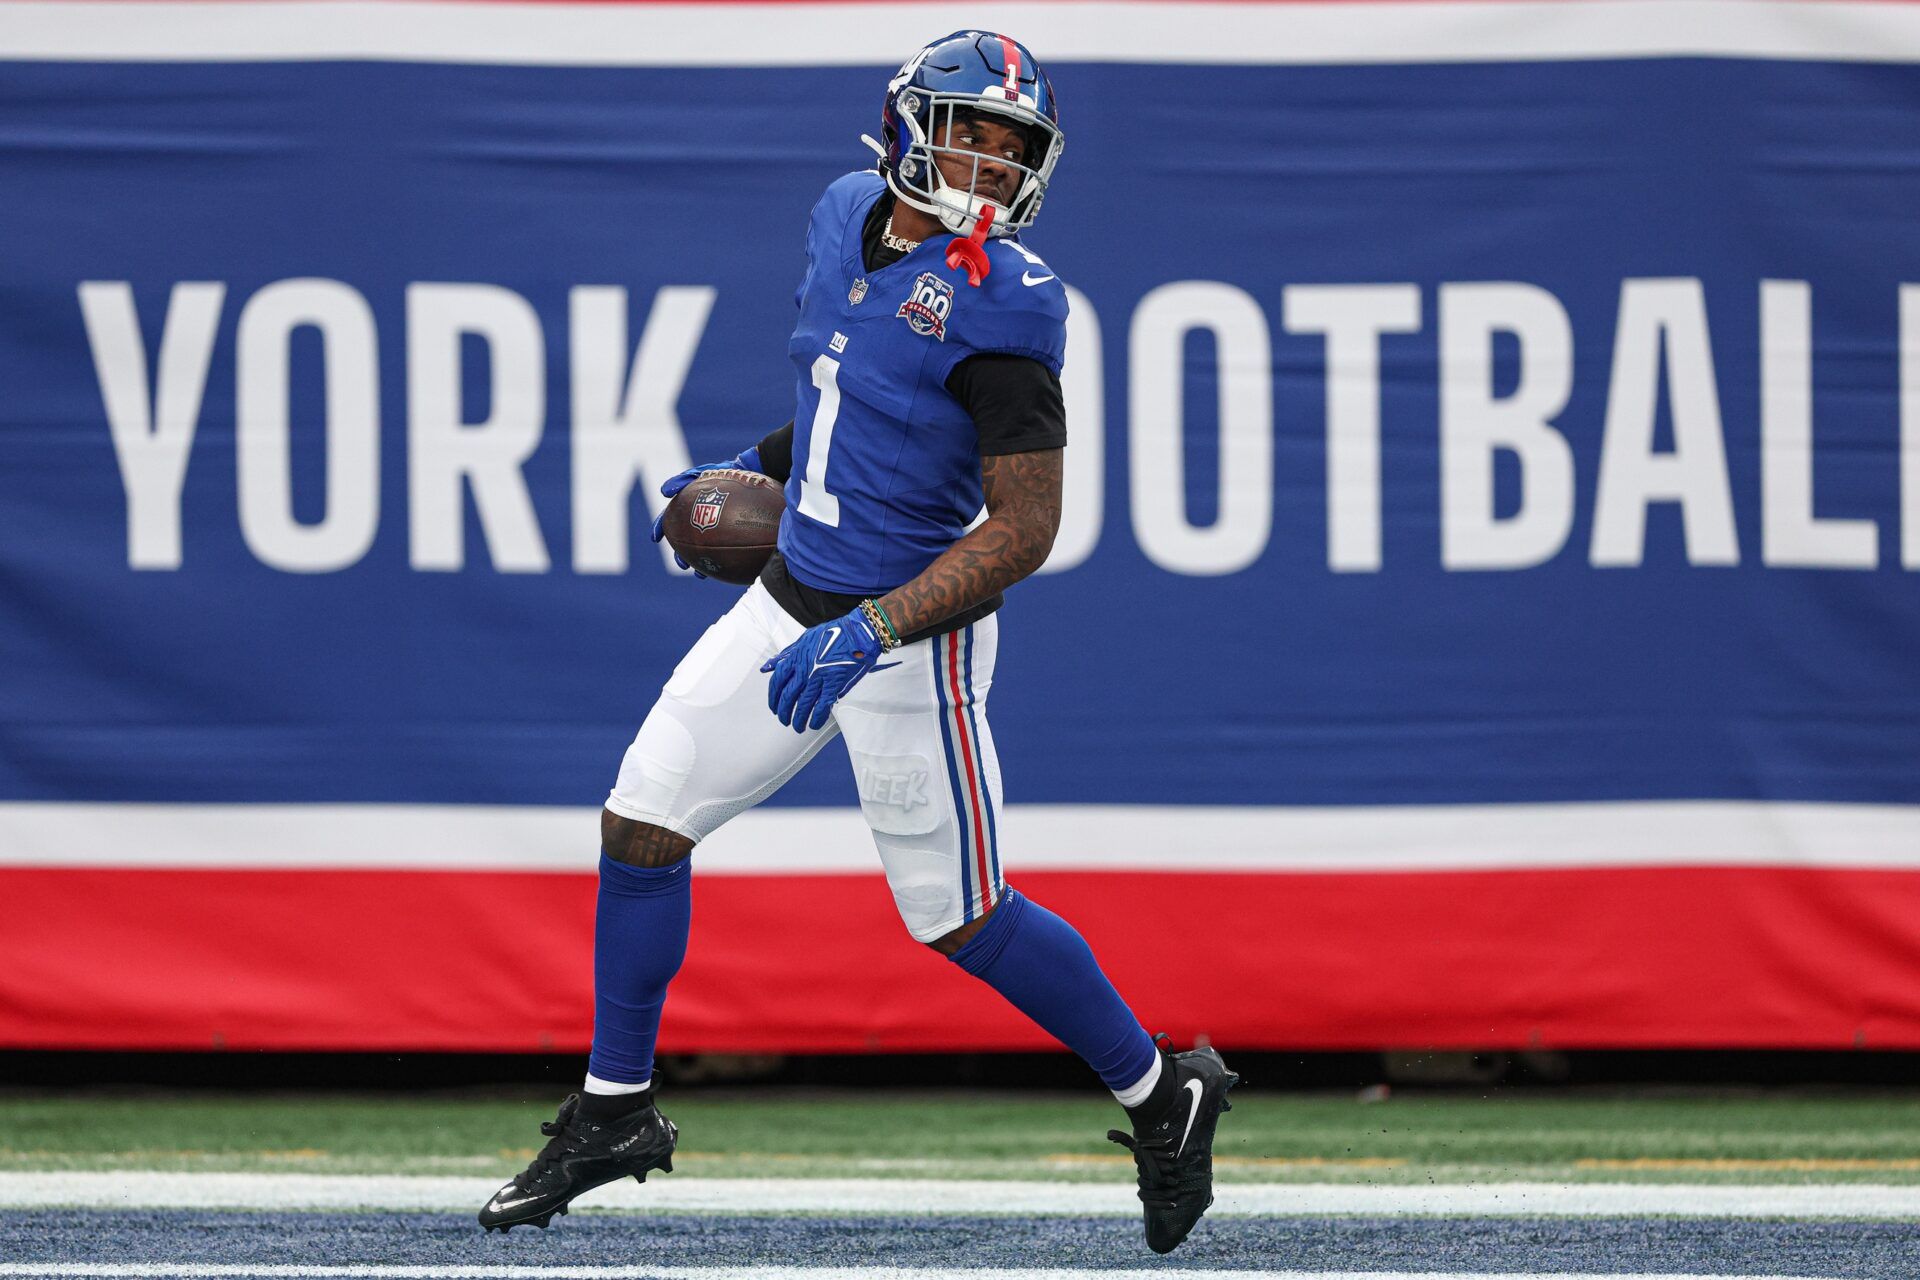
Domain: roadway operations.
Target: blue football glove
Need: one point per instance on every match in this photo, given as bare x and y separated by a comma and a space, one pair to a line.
812, 673
747, 461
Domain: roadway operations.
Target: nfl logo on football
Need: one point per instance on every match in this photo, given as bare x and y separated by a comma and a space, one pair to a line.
927, 307
706, 509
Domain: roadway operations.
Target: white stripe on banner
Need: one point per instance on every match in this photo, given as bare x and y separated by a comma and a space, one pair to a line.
1032, 837
921, 1197
827, 34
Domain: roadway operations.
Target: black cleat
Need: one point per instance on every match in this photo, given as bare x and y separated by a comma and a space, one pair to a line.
580, 1156
1174, 1155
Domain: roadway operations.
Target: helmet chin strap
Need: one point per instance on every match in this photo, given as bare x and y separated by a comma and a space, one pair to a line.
960, 211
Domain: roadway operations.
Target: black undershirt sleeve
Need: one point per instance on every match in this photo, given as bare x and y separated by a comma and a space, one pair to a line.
1014, 401
776, 453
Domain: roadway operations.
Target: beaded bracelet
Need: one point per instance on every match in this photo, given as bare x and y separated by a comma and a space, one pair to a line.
883, 625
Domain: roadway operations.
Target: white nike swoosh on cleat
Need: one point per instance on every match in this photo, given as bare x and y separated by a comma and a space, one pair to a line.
1192, 1112
501, 1206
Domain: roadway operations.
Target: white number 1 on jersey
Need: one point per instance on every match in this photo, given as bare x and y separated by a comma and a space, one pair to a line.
815, 502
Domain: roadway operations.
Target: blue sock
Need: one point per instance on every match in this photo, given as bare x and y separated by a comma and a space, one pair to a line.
639, 940
1045, 969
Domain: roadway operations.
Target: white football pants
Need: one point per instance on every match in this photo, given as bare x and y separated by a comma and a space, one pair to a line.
916, 733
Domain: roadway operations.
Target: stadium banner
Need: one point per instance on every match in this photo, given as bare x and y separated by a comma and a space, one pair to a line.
1484, 615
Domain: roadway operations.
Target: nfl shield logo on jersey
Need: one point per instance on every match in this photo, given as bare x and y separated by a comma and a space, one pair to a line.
706, 509
857, 294
927, 307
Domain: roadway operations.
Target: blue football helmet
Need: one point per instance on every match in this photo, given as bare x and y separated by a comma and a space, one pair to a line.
966, 74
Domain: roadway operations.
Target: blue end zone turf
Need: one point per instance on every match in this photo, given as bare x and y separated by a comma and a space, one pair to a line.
1844, 1249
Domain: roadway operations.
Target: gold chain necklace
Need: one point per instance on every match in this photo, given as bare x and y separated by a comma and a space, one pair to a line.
893, 241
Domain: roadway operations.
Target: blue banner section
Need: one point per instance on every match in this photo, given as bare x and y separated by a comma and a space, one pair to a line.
1606, 547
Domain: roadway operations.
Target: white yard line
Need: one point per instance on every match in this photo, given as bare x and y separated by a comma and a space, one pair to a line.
106, 1190
797, 841
160, 1269
819, 34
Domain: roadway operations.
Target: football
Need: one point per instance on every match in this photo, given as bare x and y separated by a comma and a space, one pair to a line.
726, 522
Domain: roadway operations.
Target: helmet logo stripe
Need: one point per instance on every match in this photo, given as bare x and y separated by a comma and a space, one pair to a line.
1010, 52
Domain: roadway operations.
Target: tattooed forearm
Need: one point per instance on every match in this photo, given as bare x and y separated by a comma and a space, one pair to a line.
1023, 513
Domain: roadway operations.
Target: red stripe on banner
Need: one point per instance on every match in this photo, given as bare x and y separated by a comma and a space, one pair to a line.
959, 712
379, 960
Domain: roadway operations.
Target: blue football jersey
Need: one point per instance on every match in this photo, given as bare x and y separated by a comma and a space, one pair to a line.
886, 465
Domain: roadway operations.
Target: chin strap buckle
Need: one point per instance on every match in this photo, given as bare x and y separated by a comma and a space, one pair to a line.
968, 252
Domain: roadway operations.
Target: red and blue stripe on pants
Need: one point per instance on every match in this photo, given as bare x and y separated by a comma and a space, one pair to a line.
966, 770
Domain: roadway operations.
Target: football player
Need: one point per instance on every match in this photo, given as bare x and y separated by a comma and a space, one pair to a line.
927, 355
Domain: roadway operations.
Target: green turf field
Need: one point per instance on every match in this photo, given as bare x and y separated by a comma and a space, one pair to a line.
1751, 1137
